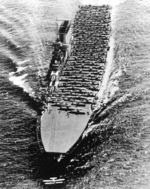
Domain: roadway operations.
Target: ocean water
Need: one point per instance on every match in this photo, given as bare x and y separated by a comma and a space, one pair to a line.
27, 31
116, 152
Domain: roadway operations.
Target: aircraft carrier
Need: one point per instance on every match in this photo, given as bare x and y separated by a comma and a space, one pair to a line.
71, 103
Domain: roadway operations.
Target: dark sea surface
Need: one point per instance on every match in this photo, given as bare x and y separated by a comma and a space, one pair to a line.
27, 30
119, 148
116, 153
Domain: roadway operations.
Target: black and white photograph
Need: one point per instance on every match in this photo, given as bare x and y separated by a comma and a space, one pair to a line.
74, 94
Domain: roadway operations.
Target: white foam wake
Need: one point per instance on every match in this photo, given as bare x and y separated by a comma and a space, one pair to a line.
102, 2
21, 82
107, 91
